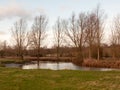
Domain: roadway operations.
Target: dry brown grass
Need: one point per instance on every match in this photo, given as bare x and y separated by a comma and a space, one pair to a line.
102, 63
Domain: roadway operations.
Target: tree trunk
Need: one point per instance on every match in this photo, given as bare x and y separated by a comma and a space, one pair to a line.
58, 53
22, 57
38, 58
90, 52
98, 53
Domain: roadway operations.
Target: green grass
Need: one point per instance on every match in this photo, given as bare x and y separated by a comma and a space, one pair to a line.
18, 79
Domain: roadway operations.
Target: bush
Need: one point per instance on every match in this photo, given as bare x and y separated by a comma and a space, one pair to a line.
78, 60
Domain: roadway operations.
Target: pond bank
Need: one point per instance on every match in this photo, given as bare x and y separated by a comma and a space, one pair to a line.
86, 62
54, 59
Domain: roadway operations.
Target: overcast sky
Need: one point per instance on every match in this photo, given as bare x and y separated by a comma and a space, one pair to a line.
12, 10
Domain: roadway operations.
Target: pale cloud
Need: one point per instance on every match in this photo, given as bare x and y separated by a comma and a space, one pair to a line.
13, 9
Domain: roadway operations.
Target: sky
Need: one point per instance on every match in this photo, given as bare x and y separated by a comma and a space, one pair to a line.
12, 10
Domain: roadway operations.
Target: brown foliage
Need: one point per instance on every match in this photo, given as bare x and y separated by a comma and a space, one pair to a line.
102, 63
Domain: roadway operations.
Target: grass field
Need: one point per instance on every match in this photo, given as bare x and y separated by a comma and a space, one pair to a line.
18, 79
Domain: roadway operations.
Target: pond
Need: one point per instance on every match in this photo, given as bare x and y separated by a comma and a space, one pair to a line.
54, 66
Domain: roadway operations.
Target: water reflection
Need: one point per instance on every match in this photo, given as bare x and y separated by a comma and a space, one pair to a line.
52, 66
61, 66
55, 66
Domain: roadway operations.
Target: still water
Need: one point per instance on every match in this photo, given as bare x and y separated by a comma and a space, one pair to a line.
54, 66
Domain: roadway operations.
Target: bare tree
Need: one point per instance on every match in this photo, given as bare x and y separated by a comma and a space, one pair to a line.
19, 35
99, 29
38, 33
115, 37
91, 32
113, 42
75, 30
58, 35
95, 30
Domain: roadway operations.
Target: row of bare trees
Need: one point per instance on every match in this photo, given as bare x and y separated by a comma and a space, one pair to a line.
84, 30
